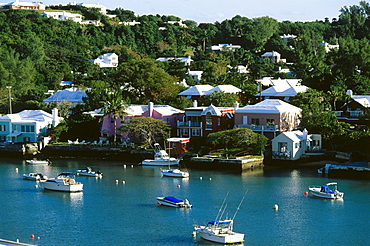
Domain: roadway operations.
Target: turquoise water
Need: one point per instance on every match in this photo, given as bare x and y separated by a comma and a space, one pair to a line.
126, 213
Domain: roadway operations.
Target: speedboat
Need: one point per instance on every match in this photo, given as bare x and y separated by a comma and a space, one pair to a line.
34, 176
161, 158
328, 191
177, 173
220, 231
173, 202
63, 182
38, 162
89, 172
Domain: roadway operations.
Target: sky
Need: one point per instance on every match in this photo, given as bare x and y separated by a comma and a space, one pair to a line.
215, 10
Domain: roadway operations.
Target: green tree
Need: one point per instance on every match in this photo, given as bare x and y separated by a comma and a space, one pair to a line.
147, 129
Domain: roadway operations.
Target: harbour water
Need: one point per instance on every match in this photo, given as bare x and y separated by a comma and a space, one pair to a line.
121, 209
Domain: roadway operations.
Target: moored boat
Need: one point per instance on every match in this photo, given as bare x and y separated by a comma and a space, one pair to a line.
89, 172
174, 202
34, 176
63, 182
176, 173
329, 191
38, 162
161, 158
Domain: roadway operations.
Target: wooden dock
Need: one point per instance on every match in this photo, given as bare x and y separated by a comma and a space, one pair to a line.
4, 242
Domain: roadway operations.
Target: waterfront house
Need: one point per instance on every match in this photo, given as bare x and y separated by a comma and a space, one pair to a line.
177, 146
295, 144
354, 109
166, 113
269, 117
106, 60
27, 126
71, 95
201, 121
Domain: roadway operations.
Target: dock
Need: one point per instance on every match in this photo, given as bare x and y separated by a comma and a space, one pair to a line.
4, 242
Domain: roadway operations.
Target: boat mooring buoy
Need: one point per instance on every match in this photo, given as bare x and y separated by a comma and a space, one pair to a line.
210, 178
16, 169
132, 166
124, 166
116, 181
200, 178
276, 207
123, 182
178, 186
305, 193
32, 236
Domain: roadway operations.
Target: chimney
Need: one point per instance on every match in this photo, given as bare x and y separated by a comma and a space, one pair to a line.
55, 117
236, 106
151, 106
195, 104
349, 92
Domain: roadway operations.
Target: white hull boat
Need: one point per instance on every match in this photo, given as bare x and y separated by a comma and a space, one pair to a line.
161, 158
176, 173
63, 182
38, 162
88, 172
219, 232
328, 191
34, 176
171, 201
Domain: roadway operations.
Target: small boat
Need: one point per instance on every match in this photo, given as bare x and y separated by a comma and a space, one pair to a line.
328, 191
221, 231
34, 176
63, 182
38, 162
161, 158
177, 173
89, 172
173, 202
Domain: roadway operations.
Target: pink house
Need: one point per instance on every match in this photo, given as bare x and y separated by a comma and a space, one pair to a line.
166, 113
269, 117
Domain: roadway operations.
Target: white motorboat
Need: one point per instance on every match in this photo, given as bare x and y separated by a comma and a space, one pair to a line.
89, 172
35, 176
173, 202
63, 182
161, 158
221, 231
329, 191
176, 173
38, 162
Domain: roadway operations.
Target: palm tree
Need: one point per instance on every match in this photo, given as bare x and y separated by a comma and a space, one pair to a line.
115, 106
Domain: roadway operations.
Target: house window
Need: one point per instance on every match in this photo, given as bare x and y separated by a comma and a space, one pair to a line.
283, 146
184, 132
270, 122
218, 121
2, 128
27, 128
195, 132
112, 120
255, 121
26, 139
209, 120
2, 138
296, 145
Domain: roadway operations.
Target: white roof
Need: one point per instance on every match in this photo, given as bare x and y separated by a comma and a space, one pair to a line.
269, 106
283, 90
212, 109
271, 53
362, 99
28, 116
196, 90
225, 89
295, 136
135, 110
67, 95
24, 4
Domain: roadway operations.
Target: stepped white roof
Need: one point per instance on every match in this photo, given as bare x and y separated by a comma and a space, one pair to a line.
28, 116
196, 90
269, 106
73, 96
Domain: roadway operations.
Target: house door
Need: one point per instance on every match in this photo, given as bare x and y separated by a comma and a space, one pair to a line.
245, 120
283, 147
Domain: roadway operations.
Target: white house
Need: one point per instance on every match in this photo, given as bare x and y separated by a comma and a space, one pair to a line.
63, 16
67, 95
293, 145
23, 5
106, 60
27, 125
103, 9
273, 56
196, 91
220, 47
186, 60
284, 90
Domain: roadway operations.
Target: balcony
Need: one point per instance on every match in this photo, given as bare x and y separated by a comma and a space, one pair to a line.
261, 128
189, 124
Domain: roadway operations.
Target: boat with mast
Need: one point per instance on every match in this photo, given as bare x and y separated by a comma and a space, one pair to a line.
221, 230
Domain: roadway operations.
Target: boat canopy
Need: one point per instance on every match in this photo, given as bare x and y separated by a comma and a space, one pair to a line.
326, 189
172, 199
218, 222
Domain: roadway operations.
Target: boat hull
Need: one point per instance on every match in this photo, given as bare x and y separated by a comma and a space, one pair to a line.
316, 193
62, 187
89, 174
164, 202
175, 173
233, 237
33, 162
160, 162
34, 177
